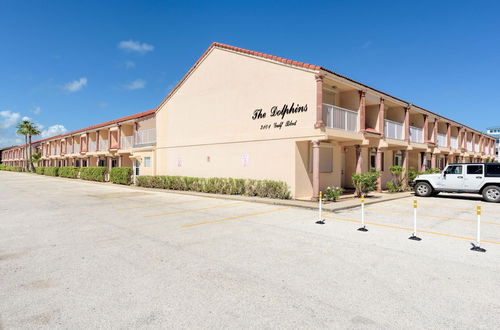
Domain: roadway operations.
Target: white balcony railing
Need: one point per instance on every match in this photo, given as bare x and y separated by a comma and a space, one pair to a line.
145, 136
52, 150
76, 148
58, 150
454, 142
416, 134
476, 147
92, 146
337, 117
393, 129
127, 142
469, 145
442, 140
103, 145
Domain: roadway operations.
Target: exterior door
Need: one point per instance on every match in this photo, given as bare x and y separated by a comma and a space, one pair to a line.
453, 177
474, 177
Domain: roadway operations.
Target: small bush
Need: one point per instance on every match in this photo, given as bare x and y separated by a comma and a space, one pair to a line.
431, 171
51, 170
68, 172
365, 182
93, 173
11, 168
121, 175
393, 187
39, 170
332, 193
227, 186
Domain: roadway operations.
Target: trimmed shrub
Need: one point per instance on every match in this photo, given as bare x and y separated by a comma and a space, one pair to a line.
11, 168
121, 175
332, 193
39, 170
365, 182
68, 172
51, 170
227, 186
93, 173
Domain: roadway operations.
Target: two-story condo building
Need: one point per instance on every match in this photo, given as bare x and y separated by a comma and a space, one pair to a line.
243, 114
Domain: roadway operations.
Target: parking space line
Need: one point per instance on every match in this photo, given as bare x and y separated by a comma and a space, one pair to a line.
423, 204
233, 218
159, 204
193, 210
432, 216
411, 229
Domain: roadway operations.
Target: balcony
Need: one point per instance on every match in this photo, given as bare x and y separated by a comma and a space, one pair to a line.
416, 134
393, 129
103, 145
92, 146
340, 118
469, 145
52, 150
476, 147
76, 148
147, 136
454, 142
127, 142
442, 140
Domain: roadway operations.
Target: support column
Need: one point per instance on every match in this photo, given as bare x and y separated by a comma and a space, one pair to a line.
378, 167
433, 160
448, 135
119, 161
319, 102
315, 152
426, 128
362, 111
435, 132
407, 124
359, 160
381, 118
423, 166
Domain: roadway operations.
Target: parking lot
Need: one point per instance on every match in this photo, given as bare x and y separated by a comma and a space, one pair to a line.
75, 254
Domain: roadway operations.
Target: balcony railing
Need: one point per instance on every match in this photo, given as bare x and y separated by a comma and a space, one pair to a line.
416, 134
393, 129
442, 140
127, 142
476, 147
454, 142
76, 148
337, 117
58, 150
146, 136
103, 145
92, 146
52, 150
469, 145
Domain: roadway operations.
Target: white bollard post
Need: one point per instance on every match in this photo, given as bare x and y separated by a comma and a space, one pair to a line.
478, 247
363, 226
414, 236
321, 220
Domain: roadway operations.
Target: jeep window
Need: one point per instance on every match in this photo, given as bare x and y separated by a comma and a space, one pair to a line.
493, 169
454, 169
474, 169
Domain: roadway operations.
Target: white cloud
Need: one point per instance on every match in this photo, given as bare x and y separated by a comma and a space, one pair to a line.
26, 118
136, 84
129, 64
75, 85
9, 118
10, 141
135, 46
37, 110
53, 130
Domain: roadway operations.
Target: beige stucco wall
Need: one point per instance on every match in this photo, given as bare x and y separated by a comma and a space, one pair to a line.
210, 115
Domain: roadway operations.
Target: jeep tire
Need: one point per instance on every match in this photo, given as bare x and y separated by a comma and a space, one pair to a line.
491, 194
423, 189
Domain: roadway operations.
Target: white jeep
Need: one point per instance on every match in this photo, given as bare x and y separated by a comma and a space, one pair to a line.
479, 178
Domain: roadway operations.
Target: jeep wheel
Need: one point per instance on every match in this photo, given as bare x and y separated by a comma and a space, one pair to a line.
491, 194
423, 189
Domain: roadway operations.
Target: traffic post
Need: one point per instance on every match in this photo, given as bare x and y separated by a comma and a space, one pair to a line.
321, 220
477, 247
414, 236
363, 226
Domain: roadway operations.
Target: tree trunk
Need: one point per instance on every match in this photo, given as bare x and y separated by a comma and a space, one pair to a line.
30, 162
25, 162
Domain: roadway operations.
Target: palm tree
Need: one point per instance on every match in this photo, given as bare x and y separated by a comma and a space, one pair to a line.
28, 129
22, 129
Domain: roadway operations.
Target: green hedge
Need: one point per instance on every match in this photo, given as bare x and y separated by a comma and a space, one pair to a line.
40, 170
93, 173
11, 168
121, 175
51, 170
68, 172
228, 186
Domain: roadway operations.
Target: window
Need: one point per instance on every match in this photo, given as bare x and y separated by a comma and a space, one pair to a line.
102, 162
84, 163
493, 169
114, 162
147, 161
475, 169
77, 163
137, 165
373, 160
454, 169
398, 159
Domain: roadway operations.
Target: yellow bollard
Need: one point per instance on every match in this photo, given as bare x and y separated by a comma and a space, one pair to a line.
477, 247
414, 236
363, 227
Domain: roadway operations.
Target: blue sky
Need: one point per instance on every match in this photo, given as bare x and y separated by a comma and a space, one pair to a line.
71, 64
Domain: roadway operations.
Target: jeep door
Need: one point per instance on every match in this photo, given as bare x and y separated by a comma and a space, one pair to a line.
453, 178
474, 177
